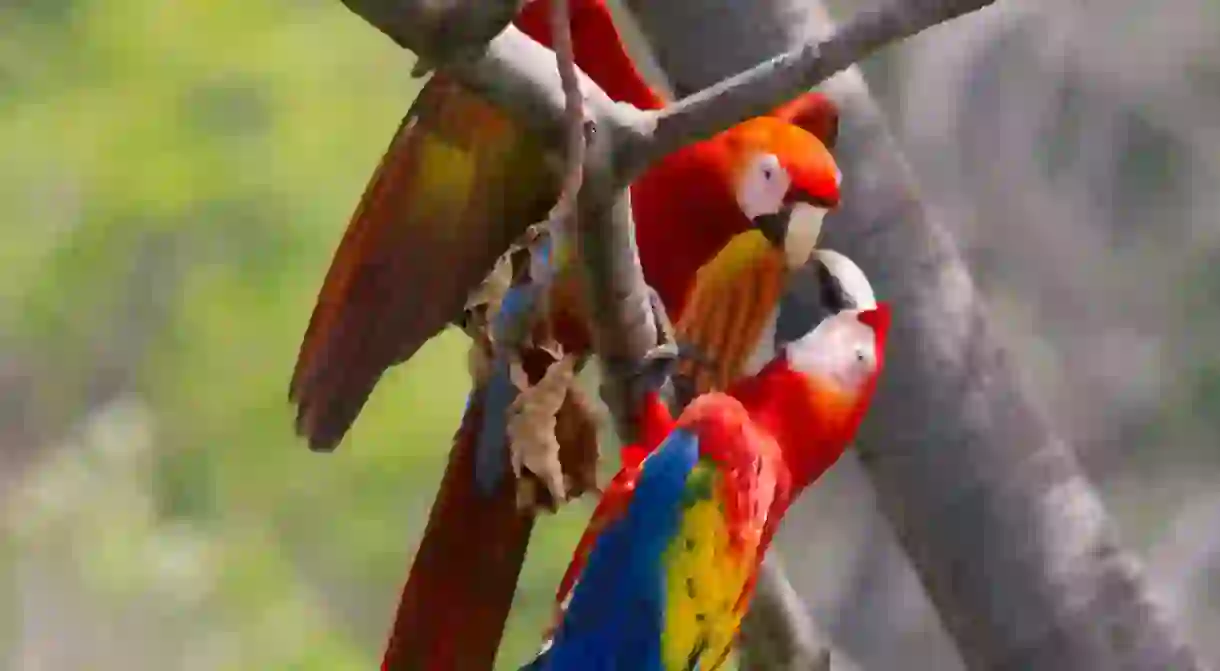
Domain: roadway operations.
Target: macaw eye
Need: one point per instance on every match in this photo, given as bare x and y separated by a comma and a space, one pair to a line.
762, 186
768, 164
859, 354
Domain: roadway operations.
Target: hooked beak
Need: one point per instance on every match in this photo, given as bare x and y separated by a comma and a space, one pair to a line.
794, 229
843, 284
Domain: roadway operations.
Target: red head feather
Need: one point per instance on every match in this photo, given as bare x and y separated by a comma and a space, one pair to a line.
814, 112
814, 418
879, 320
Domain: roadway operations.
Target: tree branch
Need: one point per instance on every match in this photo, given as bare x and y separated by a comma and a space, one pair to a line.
520, 76
757, 90
438, 31
1012, 543
779, 632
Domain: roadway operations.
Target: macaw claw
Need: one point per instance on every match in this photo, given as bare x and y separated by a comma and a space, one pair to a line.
661, 361
531, 419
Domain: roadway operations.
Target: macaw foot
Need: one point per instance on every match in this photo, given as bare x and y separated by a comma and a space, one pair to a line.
627, 382
692, 362
660, 363
532, 442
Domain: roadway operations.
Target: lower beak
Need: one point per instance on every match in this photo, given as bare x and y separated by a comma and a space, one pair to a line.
794, 229
774, 227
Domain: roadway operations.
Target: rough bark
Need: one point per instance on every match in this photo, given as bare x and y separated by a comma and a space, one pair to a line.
1010, 540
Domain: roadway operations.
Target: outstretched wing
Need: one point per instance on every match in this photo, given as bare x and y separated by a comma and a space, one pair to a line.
667, 578
457, 185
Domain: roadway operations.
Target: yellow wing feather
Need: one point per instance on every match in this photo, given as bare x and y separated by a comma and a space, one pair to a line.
730, 301
707, 570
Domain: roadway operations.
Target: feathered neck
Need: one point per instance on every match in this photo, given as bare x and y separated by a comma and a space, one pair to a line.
812, 420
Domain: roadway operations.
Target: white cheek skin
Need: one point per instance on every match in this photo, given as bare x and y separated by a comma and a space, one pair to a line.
832, 351
763, 187
804, 228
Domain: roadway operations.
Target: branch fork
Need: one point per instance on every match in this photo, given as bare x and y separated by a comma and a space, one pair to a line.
545, 91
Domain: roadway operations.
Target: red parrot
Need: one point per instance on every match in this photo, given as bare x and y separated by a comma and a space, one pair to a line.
667, 566
458, 183
773, 173
732, 307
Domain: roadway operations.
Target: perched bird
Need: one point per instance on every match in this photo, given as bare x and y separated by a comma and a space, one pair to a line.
458, 184
666, 569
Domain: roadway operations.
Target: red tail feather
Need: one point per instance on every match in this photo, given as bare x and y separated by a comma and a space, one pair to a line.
460, 590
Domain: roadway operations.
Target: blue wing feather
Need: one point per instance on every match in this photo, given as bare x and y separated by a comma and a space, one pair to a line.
491, 451
616, 614
511, 320
509, 325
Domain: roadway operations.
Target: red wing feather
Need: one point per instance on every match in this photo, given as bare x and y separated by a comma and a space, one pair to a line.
456, 186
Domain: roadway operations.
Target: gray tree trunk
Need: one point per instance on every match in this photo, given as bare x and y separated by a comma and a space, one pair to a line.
1012, 543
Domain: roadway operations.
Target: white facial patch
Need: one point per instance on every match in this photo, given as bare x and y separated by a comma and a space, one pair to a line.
804, 227
853, 280
762, 186
841, 349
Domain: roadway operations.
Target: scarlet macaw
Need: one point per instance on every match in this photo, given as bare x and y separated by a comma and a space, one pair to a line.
733, 305
666, 569
458, 183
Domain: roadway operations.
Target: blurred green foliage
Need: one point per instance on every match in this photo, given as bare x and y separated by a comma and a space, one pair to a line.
173, 179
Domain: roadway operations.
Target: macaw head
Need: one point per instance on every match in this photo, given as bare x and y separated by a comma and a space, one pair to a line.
816, 390
784, 180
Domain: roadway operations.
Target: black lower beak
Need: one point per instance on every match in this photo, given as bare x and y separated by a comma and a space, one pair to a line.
832, 294
814, 293
774, 226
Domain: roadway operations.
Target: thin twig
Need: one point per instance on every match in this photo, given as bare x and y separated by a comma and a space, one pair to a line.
574, 117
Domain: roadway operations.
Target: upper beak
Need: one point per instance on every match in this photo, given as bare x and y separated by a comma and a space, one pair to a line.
843, 284
794, 229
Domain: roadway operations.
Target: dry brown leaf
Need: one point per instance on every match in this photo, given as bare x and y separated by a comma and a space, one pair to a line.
532, 422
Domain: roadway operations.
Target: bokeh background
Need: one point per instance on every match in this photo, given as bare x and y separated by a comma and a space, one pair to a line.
174, 176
